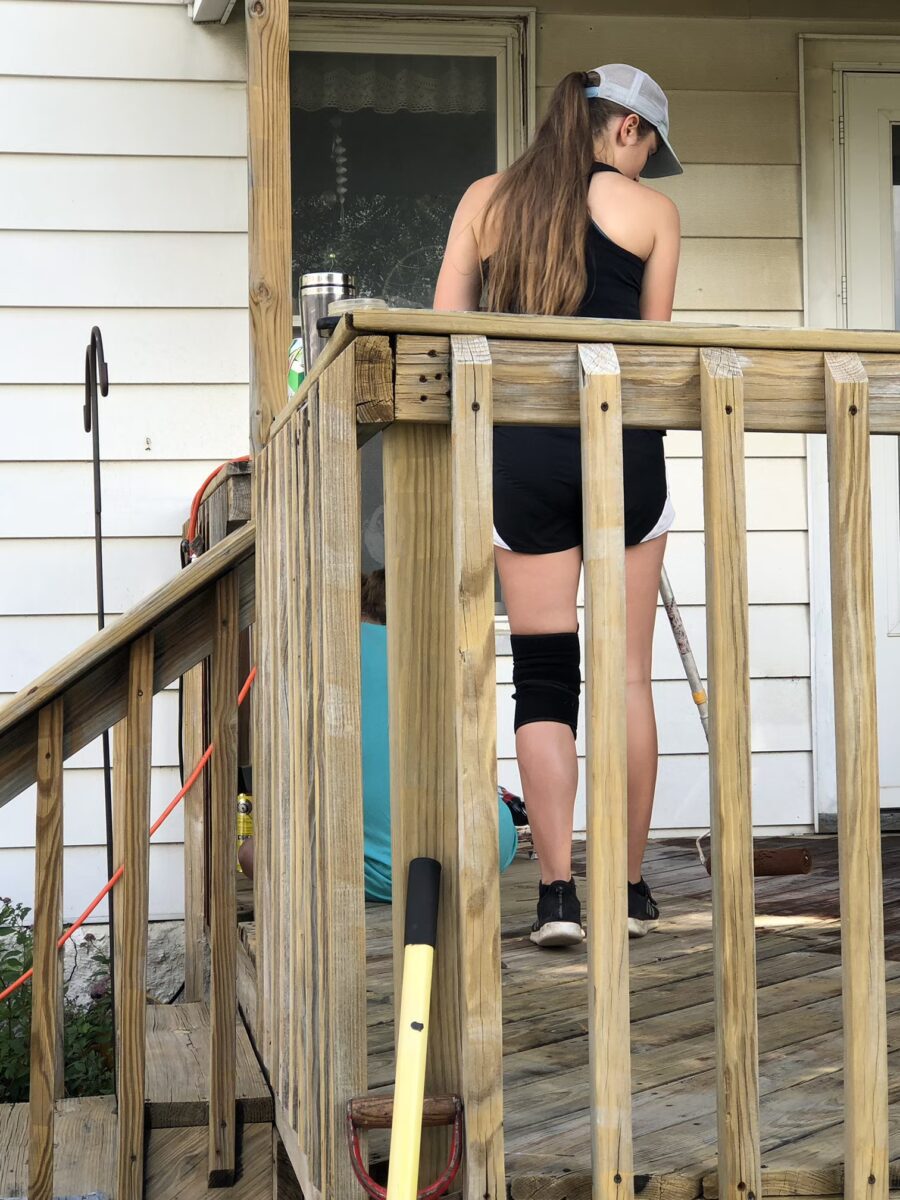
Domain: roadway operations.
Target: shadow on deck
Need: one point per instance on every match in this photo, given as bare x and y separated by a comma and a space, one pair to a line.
545, 1033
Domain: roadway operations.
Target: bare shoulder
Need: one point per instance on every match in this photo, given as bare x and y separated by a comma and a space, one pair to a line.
477, 195
662, 209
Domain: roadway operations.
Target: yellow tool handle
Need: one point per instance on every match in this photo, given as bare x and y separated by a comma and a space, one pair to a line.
412, 1041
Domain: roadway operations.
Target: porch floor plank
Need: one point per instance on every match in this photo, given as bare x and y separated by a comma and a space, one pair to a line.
178, 1069
84, 1153
547, 1121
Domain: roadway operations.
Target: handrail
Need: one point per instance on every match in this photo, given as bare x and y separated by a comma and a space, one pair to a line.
92, 676
395, 321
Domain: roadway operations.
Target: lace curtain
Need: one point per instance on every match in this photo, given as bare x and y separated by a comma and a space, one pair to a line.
389, 83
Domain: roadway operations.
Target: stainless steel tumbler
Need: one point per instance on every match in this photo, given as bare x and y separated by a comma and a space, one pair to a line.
317, 290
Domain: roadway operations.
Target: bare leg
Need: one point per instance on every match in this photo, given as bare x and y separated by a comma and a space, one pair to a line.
643, 564
540, 591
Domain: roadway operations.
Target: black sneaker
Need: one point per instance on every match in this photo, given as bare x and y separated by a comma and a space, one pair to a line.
643, 911
558, 915
516, 806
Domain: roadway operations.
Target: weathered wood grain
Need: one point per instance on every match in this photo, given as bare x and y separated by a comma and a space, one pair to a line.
856, 746
374, 383
537, 381
224, 686
195, 943
85, 1147
178, 1048
269, 214
421, 689
471, 477
727, 618
399, 321
606, 770
132, 915
47, 984
338, 889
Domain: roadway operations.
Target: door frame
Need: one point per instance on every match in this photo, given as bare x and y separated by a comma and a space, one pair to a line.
824, 58
505, 34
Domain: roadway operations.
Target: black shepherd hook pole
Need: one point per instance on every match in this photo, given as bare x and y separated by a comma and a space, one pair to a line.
96, 372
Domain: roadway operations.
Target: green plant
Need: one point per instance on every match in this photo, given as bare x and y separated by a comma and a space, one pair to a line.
16, 945
87, 1027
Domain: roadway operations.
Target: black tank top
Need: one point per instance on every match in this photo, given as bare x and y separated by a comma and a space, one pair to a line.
614, 275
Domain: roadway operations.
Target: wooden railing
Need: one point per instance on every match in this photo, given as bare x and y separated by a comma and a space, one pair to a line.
110, 683
437, 383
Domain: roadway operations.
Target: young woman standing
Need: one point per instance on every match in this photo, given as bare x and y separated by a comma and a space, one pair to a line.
569, 230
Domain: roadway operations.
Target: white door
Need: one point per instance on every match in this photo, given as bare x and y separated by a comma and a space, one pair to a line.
872, 224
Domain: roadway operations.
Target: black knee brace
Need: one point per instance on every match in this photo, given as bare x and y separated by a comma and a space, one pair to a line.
547, 677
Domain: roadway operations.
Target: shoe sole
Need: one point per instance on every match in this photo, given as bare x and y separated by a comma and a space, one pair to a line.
558, 933
639, 929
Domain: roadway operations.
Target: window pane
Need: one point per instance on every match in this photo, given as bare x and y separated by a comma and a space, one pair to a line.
382, 147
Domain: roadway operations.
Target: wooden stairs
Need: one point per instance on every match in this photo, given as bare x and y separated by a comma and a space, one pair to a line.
177, 1111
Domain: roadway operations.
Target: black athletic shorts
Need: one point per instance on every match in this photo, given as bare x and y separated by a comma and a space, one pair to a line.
537, 488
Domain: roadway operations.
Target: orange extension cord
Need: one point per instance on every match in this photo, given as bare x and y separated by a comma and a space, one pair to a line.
191, 780
198, 500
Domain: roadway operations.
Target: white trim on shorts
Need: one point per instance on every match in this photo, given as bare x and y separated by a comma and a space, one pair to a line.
663, 525
665, 522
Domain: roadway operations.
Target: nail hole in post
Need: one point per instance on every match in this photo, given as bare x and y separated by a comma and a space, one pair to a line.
604, 407
729, 409
475, 406
853, 410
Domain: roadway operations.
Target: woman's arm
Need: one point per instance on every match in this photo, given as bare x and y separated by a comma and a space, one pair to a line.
459, 282
658, 289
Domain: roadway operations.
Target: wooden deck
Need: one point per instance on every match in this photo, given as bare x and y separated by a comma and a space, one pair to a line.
177, 1111
673, 1050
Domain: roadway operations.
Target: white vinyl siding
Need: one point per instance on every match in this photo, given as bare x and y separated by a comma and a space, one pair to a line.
123, 203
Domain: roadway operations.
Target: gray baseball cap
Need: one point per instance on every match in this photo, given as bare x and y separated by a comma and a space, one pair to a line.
640, 94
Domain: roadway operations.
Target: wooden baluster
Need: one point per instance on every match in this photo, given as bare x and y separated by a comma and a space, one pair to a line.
727, 623
132, 915
222, 870
859, 816
194, 841
47, 983
476, 755
338, 887
421, 632
606, 771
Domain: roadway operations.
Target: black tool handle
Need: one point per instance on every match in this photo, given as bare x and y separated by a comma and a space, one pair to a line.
422, 896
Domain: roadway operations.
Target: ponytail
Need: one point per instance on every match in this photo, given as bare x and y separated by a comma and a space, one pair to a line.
538, 215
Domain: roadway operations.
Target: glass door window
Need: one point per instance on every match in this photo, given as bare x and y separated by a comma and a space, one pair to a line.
383, 146
391, 120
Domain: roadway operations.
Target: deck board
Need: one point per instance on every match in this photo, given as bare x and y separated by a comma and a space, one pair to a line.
673, 1047
178, 1069
177, 1165
84, 1153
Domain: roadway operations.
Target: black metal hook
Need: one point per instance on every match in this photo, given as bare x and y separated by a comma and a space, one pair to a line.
95, 365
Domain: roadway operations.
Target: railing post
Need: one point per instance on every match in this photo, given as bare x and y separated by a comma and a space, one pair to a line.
606, 771
222, 910
471, 436
856, 745
47, 986
727, 623
339, 955
421, 684
132, 916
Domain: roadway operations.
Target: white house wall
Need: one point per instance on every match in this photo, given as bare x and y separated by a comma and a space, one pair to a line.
123, 203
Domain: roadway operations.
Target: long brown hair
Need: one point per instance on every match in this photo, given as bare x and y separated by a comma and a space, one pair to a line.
539, 209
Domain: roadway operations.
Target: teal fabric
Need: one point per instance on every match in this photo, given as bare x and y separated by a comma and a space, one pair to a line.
377, 774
